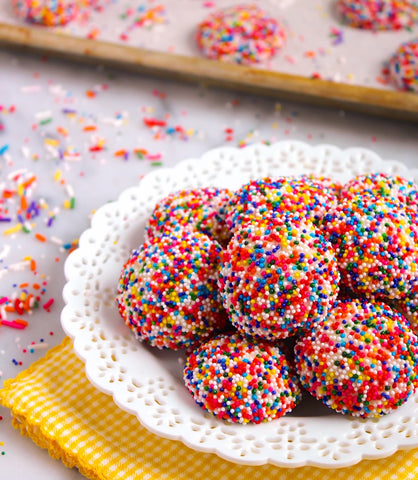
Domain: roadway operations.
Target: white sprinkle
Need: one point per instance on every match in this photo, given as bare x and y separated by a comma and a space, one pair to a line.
56, 240
44, 115
25, 151
19, 266
31, 89
4, 252
70, 191
38, 346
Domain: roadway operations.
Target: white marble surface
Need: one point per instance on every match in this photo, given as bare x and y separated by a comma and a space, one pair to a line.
36, 96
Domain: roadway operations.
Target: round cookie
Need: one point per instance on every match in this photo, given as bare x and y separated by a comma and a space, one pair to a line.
359, 360
378, 14
277, 277
50, 13
241, 381
201, 208
305, 196
375, 242
167, 291
383, 185
242, 34
403, 66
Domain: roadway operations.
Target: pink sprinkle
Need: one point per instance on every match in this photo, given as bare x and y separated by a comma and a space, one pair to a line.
19, 326
48, 304
156, 156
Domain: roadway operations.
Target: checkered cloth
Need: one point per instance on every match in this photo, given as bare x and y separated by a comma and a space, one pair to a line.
53, 403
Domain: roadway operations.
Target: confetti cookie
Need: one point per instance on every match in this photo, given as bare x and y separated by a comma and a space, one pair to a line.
359, 360
167, 292
241, 381
305, 196
240, 34
378, 14
50, 13
201, 208
403, 66
277, 277
383, 185
375, 243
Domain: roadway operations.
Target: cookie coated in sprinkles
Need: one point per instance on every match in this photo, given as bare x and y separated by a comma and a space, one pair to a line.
378, 14
301, 197
277, 277
167, 292
383, 185
49, 13
242, 34
403, 66
360, 359
241, 381
375, 242
200, 208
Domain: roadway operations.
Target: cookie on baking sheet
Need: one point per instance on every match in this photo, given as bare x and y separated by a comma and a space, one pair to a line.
378, 14
50, 13
242, 34
403, 66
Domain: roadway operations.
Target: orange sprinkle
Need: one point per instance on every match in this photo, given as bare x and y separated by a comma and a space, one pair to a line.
29, 182
36, 286
26, 305
62, 131
89, 128
90, 93
8, 193
32, 265
120, 153
9, 308
40, 237
20, 321
24, 285
23, 203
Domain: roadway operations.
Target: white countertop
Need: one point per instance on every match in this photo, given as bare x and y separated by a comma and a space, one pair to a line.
45, 109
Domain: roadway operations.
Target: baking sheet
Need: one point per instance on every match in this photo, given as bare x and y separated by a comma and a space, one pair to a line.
318, 45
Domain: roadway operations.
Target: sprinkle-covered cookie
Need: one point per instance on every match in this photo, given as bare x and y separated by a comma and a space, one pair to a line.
200, 208
167, 292
277, 277
240, 381
360, 359
378, 14
375, 243
240, 34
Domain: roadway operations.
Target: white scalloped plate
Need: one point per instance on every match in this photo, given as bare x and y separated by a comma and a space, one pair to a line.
148, 383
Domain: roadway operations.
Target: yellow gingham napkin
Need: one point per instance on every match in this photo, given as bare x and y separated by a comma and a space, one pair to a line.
53, 403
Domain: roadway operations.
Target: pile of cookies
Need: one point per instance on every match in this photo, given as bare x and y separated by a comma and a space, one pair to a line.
286, 284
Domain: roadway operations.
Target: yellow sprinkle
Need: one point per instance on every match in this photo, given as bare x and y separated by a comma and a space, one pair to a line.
14, 229
57, 175
52, 141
